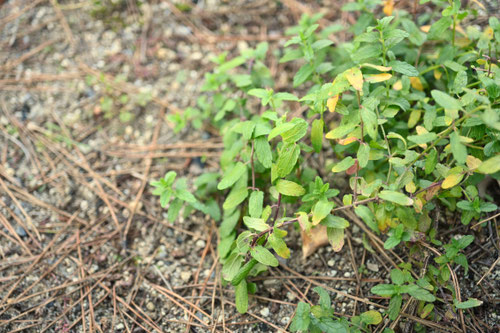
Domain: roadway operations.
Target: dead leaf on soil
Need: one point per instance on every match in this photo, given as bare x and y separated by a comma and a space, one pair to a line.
316, 238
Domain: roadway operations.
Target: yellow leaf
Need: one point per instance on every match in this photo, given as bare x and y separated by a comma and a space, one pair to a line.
414, 118
346, 141
355, 78
416, 83
425, 28
398, 85
437, 74
418, 205
377, 77
462, 41
488, 33
452, 180
472, 162
481, 61
377, 67
421, 130
388, 7
332, 103
410, 187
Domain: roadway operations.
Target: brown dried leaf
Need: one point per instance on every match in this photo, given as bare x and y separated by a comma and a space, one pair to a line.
316, 238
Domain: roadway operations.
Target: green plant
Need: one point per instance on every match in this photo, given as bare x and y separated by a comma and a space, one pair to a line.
113, 100
411, 117
403, 283
320, 318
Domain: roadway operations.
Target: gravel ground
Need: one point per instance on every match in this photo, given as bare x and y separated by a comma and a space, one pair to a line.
74, 176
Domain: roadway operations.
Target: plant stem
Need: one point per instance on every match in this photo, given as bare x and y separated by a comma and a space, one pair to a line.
253, 168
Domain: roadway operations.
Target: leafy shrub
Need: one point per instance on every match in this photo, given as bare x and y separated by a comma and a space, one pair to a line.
411, 118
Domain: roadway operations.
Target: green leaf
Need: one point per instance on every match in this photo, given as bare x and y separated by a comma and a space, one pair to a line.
367, 216
231, 266
291, 55
245, 128
391, 242
335, 238
445, 100
371, 317
290, 188
422, 295
255, 223
343, 165
430, 161
439, 27
235, 198
284, 96
396, 197
426, 310
321, 210
394, 307
302, 74
322, 43
363, 154
333, 221
255, 203
298, 131
487, 207
185, 195
397, 276
422, 138
263, 151
302, 318
383, 290
243, 272
173, 209
458, 148
280, 129
369, 116
470, 303
228, 223
403, 68
258, 92
317, 134
490, 166
241, 295
417, 37
264, 256
460, 82
287, 159
164, 197
324, 298
279, 245
366, 52
235, 62
340, 131
232, 176
465, 241
169, 178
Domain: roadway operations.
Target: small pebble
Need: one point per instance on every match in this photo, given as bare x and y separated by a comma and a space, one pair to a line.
20, 231
200, 243
150, 306
185, 276
372, 267
331, 262
264, 312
